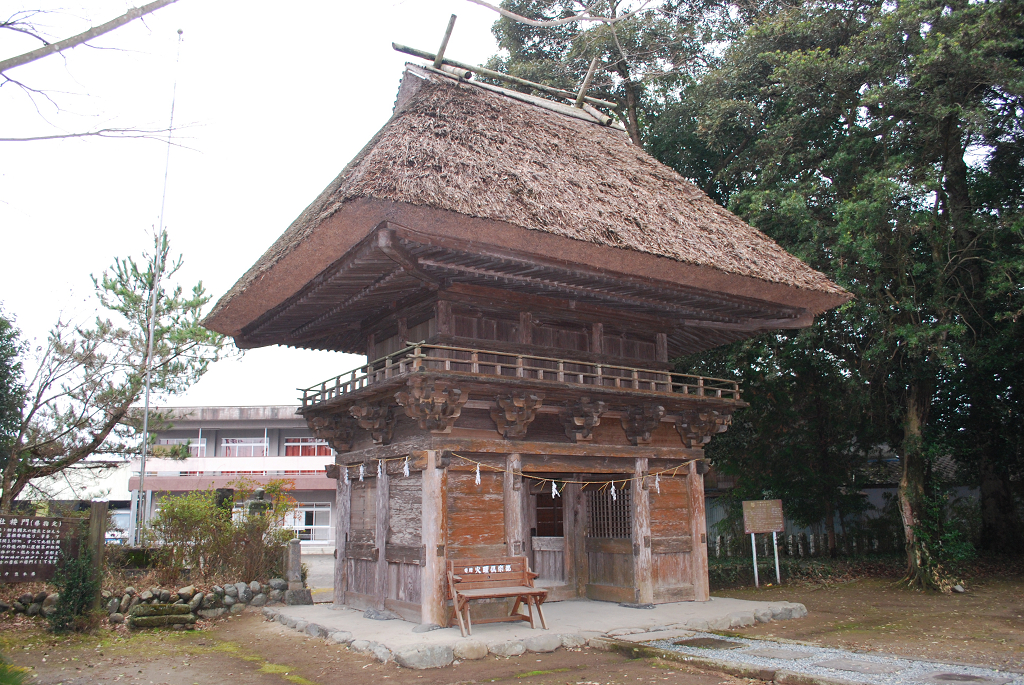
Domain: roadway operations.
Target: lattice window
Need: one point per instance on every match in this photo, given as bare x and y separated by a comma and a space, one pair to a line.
610, 518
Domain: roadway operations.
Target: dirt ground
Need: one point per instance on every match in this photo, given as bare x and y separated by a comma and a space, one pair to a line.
250, 650
984, 626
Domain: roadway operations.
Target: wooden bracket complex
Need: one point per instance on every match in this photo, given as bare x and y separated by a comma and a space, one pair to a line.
339, 431
379, 419
434, 404
581, 418
515, 412
639, 421
696, 426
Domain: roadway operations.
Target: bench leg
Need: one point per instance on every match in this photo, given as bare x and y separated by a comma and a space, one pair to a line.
529, 607
540, 613
469, 619
458, 613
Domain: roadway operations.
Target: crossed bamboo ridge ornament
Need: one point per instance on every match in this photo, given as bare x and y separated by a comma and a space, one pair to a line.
580, 418
434, 404
339, 431
515, 412
696, 426
379, 419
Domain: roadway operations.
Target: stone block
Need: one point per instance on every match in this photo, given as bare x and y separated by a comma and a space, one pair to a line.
573, 640
507, 648
116, 618
48, 611
237, 608
276, 595
244, 593
34, 608
4, 606
195, 602
342, 637
186, 592
378, 615
617, 632
39, 597
217, 590
268, 613
858, 666
258, 600
146, 595
316, 630
381, 653
948, 678
298, 597
50, 600
300, 625
19, 608
426, 628
360, 646
421, 657
229, 601
773, 653
160, 610
165, 596
161, 621
126, 599
129, 591
547, 642
741, 619
213, 613
289, 621
254, 587
113, 605
469, 650
231, 591
278, 583
763, 615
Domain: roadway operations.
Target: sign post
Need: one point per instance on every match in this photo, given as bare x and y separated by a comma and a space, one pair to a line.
763, 516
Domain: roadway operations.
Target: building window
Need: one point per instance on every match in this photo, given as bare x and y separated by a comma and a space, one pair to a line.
196, 446
307, 447
610, 518
245, 447
311, 521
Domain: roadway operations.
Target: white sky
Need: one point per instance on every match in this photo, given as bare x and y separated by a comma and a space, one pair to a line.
273, 99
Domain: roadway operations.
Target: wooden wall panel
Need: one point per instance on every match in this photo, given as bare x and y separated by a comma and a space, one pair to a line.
406, 509
363, 514
670, 510
476, 523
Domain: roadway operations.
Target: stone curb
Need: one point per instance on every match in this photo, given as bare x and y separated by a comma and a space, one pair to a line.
779, 676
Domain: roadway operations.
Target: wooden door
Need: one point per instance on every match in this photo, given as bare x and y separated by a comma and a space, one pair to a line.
609, 545
404, 550
361, 550
671, 540
547, 538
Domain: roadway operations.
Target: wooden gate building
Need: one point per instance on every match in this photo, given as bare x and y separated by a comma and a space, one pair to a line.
519, 276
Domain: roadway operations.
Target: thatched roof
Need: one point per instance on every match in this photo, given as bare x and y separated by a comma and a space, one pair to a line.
459, 147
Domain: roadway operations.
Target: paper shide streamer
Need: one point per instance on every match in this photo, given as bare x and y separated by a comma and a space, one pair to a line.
405, 467
615, 497
361, 470
379, 467
478, 474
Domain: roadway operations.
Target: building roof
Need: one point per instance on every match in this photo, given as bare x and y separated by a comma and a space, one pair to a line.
489, 154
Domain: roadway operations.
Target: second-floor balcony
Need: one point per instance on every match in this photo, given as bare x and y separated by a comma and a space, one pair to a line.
479, 365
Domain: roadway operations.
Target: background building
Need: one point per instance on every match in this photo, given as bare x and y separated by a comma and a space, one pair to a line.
257, 444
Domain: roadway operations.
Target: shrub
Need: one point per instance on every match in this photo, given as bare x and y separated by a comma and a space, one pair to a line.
12, 675
191, 528
77, 586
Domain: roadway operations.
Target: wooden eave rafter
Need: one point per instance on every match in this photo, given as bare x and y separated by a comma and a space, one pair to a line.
393, 264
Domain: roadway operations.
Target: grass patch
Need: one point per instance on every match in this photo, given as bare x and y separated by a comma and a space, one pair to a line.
530, 674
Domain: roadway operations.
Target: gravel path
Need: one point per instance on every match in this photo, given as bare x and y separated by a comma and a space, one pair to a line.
837, 664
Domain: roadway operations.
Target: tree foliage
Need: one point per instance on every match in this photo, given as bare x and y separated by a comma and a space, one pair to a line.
881, 143
77, 399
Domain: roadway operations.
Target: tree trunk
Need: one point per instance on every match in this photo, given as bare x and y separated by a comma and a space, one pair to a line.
912, 485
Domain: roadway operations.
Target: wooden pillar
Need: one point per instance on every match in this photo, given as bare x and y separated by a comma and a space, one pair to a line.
433, 536
597, 338
570, 492
403, 332
444, 318
698, 529
343, 511
643, 570
526, 328
581, 520
513, 505
97, 543
661, 347
370, 345
381, 537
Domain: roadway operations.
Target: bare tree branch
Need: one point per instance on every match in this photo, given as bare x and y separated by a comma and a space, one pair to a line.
159, 134
60, 46
584, 16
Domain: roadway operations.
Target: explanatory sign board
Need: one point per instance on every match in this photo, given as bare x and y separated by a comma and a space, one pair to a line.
30, 546
763, 516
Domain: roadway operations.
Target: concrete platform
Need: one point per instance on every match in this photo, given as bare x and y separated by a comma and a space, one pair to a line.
570, 624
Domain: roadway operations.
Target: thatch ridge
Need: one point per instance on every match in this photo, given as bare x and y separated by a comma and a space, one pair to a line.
457, 147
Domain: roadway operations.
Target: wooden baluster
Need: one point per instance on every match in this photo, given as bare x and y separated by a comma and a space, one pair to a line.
636, 383
700, 386
474, 358
519, 366
561, 371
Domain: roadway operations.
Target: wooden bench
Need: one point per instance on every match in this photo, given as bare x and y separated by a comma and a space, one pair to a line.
505, 577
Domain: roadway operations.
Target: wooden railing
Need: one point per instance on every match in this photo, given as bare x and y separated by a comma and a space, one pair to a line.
421, 357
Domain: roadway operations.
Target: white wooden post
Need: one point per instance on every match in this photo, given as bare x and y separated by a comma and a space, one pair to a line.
753, 549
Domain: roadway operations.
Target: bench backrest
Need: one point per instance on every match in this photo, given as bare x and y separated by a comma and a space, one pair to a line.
487, 573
